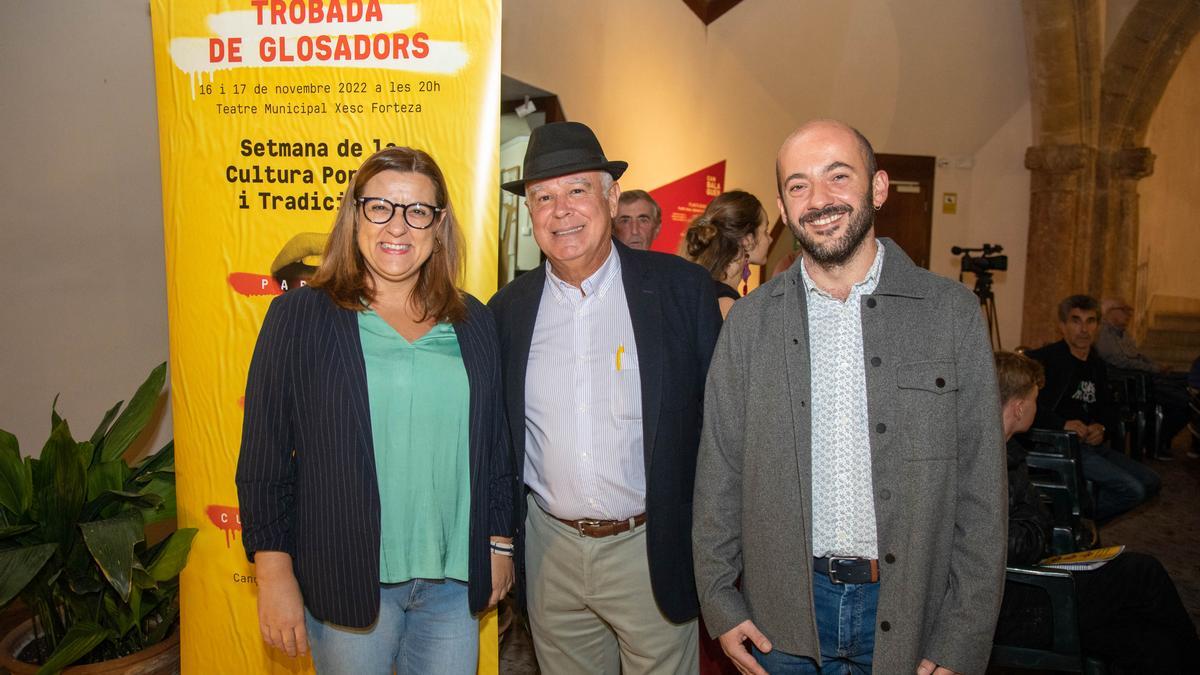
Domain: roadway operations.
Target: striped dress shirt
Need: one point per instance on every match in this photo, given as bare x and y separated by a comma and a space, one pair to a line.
583, 401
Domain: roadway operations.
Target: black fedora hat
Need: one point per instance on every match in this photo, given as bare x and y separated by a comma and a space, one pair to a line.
560, 148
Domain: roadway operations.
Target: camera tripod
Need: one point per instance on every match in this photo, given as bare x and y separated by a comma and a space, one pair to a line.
987, 303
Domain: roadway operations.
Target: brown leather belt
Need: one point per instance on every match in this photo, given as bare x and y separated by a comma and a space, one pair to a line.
587, 527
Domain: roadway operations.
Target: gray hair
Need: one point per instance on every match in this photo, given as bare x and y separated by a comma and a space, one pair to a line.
631, 196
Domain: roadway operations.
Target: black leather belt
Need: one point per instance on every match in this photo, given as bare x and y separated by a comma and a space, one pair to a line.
848, 570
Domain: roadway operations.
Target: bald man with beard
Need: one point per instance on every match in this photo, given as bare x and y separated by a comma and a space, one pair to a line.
851, 468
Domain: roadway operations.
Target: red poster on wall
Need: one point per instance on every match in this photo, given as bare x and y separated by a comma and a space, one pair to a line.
684, 199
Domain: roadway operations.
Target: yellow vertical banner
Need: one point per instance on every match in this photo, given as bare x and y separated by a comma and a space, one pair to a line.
265, 108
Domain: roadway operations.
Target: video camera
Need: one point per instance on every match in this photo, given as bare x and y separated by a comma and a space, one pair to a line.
985, 262
982, 266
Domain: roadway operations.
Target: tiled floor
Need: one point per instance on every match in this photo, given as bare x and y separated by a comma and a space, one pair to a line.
1169, 526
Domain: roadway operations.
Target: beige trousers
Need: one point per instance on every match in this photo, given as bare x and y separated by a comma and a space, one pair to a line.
591, 608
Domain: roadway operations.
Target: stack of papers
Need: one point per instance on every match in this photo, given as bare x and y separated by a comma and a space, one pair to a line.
1083, 560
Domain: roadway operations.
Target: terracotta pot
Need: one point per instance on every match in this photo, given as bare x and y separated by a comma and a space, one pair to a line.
159, 659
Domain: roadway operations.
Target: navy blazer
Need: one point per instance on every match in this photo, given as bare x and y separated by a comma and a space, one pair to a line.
675, 324
306, 474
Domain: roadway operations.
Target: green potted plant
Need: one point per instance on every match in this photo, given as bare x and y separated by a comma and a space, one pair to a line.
73, 541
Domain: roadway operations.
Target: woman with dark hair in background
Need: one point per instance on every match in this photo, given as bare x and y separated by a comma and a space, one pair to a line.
375, 476
1129, 611
726, 239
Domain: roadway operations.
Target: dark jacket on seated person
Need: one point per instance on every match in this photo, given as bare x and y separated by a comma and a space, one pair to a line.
1075, 390
1130, 614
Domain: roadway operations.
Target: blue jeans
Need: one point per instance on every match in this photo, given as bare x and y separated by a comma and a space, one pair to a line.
846, 626
424, 627
1120, 483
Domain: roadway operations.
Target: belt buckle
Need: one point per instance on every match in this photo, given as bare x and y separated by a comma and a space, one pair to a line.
833, 565
586, 522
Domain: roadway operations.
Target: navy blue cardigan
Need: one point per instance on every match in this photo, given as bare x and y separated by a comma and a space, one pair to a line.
306, 473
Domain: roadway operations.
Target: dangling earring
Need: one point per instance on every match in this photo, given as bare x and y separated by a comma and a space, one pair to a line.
745, 272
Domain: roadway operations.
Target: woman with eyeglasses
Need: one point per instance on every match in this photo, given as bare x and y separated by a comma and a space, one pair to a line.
375, 476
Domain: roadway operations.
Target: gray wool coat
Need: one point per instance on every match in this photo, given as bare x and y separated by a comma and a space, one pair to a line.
937, 466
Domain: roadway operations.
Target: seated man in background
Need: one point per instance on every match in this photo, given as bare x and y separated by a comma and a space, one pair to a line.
1129, 611
1119, 350
638, 220
1076, 398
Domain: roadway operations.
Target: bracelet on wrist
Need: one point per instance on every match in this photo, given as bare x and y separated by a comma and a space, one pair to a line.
501, 548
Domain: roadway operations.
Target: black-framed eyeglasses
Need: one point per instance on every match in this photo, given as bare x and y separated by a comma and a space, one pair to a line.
416, 215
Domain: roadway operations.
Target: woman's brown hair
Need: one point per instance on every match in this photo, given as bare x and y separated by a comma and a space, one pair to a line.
343, 272
714, 239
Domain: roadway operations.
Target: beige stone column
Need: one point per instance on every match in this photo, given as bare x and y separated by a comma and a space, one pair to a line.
1059, 258
1116, 221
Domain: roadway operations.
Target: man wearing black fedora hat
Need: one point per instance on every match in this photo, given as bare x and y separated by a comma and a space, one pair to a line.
605, 353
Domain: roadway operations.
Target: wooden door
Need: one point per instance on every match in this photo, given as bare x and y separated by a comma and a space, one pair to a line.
907, 216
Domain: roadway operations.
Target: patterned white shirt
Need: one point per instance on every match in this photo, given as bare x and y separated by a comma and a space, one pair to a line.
584, 456
843, 504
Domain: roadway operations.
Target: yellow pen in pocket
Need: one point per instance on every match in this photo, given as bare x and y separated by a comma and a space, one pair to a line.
620, 351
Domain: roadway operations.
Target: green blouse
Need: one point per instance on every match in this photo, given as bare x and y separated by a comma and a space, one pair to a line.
419, 400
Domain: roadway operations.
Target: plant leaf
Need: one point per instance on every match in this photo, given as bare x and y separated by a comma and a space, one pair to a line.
105, 476
16, 482
55, 420
86, 452
135, 604
65, 477
142, 579
134, 418
118, 615
170, 559
163, 628
19, 565
163, 486
111, 543
161, 461
80, 572
82, 606
8, 443
102, 428
81, 638
14, 530
85, 584
99, 508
